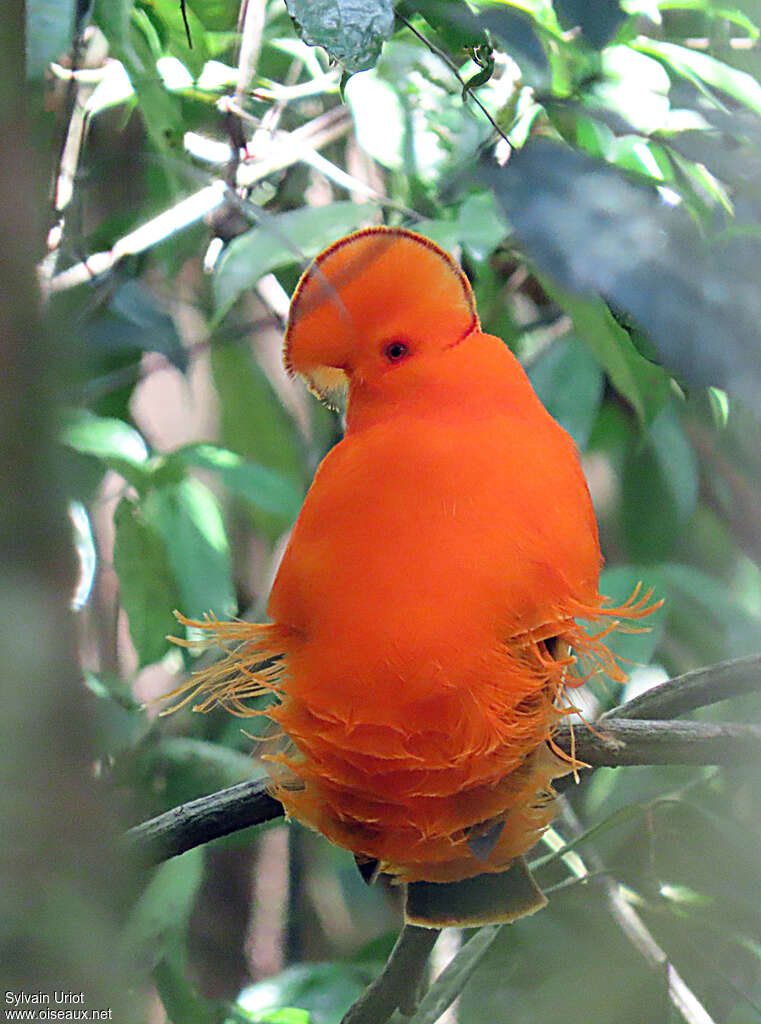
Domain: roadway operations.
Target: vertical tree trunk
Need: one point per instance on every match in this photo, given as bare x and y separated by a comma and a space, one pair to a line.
61, 883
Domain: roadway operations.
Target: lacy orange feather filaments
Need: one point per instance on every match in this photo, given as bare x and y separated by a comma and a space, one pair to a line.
427, 615
400, 791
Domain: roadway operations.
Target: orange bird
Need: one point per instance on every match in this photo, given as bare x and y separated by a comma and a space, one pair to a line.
425, 615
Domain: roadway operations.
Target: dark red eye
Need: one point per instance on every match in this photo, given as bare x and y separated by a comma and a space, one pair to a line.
395, 351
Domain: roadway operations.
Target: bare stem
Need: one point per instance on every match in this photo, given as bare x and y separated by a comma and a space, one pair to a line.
396, 986
693, 690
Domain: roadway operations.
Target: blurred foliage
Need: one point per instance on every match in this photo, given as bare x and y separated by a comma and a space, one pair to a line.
597, 169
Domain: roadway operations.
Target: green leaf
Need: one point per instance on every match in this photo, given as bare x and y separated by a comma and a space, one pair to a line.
660, 489
352, 31
216, 15
595, 232
114, 442
181, 1000
162, 913
49, 28
598, 21
726, 629
254, 422
454, 977
170, 16
155, 329
738, 84
520, 40
709, 9
481, 224
262, 487
189, 768
281, 239
617, 583
569, 382
287, 1015
325, 990
455, 23
118, 723
112, 688
113, 18
147, 589
642, 383
187, 517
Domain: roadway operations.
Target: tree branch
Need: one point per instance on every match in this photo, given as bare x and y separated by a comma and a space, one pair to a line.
616, 742
199, 821
396, 986
627, 735
693, 690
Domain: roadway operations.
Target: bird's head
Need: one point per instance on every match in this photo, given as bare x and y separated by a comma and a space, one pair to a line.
372, 302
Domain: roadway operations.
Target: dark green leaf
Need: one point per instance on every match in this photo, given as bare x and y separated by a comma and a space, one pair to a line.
262, 487
569, 382
455, 23
112, 18
117, 721
594, 231
642, 383
183, 768
660, 489
612, 821
598, 21
352, 31
254, 423
708, 615
162, 913
155, 329
516, 34
148, 591
617, 583
182, 1002
112, 688
527, 974
281, 239
187, 518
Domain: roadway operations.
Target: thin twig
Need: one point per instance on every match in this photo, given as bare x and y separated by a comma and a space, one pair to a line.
443, 56
319, 132
637, 932
199, 821
250, 44
395, 988
695, 689
618, 742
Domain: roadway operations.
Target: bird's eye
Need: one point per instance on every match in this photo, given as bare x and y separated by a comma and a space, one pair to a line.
395, 351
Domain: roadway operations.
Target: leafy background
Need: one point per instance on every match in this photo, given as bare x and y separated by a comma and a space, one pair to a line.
616, 251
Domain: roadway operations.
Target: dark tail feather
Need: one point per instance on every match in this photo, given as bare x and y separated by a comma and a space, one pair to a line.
485, 899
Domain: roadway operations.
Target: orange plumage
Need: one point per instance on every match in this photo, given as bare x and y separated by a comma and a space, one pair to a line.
424, 617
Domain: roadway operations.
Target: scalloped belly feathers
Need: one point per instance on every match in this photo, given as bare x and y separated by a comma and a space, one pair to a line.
427, 615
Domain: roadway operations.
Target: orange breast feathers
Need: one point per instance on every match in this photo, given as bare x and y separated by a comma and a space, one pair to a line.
425, 616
